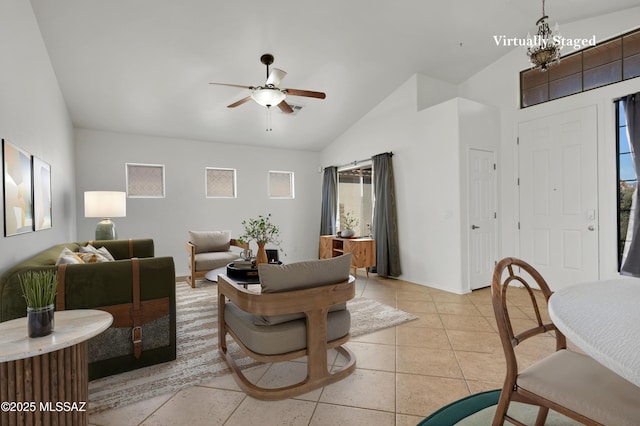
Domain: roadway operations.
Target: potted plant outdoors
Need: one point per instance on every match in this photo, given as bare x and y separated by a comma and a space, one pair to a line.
39, 291
263, 232
349, 222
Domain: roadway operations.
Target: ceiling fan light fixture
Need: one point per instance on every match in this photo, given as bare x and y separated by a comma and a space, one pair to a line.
268, 96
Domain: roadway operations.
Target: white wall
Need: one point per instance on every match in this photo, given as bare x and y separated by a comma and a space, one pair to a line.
479, 128
101, 158
429, 158
432, 201
425, 143
432, 91
498, 85
34, 117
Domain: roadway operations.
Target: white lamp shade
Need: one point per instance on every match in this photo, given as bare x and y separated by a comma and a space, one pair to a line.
105, 204
267, 96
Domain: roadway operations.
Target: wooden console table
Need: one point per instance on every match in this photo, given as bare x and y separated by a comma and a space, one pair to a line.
45, 380
363, 250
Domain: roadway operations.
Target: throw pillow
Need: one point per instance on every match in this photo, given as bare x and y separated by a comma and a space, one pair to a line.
208, 241
101, 251
69, 257
306, 274
93, 257
298, 276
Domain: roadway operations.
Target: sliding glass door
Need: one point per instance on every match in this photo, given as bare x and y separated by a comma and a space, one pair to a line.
355, 198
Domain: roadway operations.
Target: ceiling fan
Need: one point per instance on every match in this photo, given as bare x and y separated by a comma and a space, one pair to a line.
270, 94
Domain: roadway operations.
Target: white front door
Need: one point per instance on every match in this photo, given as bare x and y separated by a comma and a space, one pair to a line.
559, 196
482, 217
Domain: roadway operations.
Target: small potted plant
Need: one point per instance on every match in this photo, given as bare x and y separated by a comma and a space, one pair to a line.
263, 232
350, 221
39, 291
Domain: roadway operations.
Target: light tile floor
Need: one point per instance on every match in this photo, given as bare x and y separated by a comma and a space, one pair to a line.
403, 373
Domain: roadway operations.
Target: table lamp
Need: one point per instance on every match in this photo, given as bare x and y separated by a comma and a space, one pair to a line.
105, 204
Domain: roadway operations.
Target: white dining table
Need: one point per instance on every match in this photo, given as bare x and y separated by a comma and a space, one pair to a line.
602, 318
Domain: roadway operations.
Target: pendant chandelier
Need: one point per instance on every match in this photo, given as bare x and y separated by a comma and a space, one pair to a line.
544, 49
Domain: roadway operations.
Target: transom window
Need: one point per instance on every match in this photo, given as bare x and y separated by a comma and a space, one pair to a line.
608, 62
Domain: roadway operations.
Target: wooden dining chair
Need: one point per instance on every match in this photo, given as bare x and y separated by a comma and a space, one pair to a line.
565, 381
300, 311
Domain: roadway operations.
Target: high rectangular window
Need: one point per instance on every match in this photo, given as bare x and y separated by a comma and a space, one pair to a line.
220, 183
145, 180
281, 185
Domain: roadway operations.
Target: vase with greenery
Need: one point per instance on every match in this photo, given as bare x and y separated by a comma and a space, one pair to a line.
263, 232
39, 291
348, 224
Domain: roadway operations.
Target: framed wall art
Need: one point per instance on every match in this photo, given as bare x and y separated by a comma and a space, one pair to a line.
41, 195
17, 190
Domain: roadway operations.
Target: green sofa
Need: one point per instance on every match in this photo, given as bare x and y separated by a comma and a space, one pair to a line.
109, 286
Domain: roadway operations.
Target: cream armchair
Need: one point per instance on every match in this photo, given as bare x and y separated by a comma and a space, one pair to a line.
300, 311
210, 250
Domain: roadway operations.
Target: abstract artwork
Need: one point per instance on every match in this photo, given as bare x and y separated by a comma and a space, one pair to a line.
41, 194
18, 196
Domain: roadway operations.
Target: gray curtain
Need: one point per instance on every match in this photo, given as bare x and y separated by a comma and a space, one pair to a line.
385, 218
631, 103
329, 201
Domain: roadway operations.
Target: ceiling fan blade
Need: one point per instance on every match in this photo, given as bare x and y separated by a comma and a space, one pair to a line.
275, 77
240, 102
232, 85
307, 93
285, 107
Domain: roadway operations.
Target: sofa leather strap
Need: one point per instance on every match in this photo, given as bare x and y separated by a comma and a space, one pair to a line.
153, 309
130, 247
60, 297
133, 314
136, 309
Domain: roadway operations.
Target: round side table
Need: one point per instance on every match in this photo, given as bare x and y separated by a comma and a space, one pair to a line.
44, 380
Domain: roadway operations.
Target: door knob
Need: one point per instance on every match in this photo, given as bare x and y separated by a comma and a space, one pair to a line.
475, 227
591, 228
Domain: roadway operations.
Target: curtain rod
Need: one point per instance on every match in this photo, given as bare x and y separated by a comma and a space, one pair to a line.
624, 97
356, 162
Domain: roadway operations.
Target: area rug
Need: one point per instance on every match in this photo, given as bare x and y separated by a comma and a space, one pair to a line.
478, 410
198, 359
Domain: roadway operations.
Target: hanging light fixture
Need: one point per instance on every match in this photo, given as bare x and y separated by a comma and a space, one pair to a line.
544, 49
268, 96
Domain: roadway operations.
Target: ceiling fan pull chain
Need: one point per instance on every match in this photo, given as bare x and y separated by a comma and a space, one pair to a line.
269, 119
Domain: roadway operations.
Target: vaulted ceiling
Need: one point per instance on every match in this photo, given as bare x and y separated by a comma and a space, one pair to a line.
143, 66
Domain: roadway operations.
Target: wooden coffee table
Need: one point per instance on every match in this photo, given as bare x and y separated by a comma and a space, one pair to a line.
242, 276
212, 275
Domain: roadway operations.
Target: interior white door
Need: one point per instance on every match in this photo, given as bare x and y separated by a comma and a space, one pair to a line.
482, 217
559, 196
